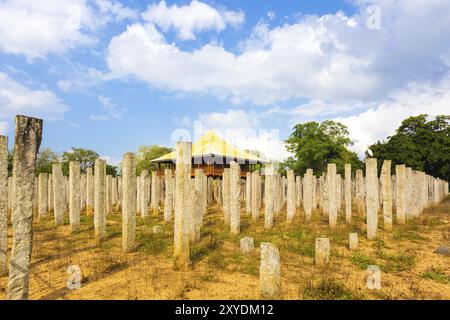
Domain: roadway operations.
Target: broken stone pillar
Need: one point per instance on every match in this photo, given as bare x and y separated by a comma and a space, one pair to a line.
128, 202
322, 252
269, 271
144, 181
59, 206
332, 195
235, 206
248, 193
386, 191
298, 192
182, 195
247, 245
256, 189
400, 176
360, 192
4, 204
100, 201
269, 196
353, 241
348, 192
308, 194
27, 141
226, 195
291, 210
372, 200
89, 191
43, 194
168, 201
74, 195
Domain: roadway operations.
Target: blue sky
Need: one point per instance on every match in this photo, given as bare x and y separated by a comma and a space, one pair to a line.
114, 75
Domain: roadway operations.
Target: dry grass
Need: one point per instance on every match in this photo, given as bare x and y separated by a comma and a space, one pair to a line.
410, 269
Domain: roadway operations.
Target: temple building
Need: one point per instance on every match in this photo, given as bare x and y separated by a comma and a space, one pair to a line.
212, 154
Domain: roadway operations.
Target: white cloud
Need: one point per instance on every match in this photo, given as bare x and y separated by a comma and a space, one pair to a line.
39, 27
16, 98
190, 19
111, 110
3, 128
329, 58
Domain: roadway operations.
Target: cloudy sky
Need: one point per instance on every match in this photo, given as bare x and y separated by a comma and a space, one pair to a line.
114, 75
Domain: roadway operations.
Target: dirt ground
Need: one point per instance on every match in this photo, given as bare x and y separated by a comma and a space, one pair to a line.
409, 267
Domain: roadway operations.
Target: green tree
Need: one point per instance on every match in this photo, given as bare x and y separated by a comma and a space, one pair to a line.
111, 170
419, 143
85, 157
44, 160
147, 153
314, 145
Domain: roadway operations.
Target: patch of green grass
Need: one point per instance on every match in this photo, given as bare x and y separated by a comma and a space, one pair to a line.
150, 243
362, 260
328, 289
436, 274
208, 278
217, 260
397, 262
406, 234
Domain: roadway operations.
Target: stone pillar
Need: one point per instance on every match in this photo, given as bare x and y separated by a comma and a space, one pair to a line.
114, 193
332, 195
43, 194
256, 189
348, 192
408, 194
338, 192
194, 205
74, 195
322, 252
128, 202
138, 194
247, 245
100, 201
386, 191
154, 194
144, 181
248, 193
291, 210
83, 191
51, 201
269, 196
108, 194
298, 192
400, 175
353, 241
360, 192
372, 200
89, 191
269, 271
182, 214
308, 194
59, 206
168, 201
235, 206
27, 141
226, 195
4, 204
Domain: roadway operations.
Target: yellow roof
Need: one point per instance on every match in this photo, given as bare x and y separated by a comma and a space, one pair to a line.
211, 144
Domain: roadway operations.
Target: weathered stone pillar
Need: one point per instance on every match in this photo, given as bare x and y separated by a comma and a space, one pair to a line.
168, 201
195, 210
108, 194
27, 141
348, 192
114, 193
226, 195
89, 191
338, 192
138, 194
269, 196
51, 201
144, 181
4, 205
400, 175
59, 206
353, 241
235, 206
182, 214
128, 202
360, 191
43, 194
247, 245
74, 195
256, 189
322, 252
269, 271
248, 193
100, 201
332, 195
386, 191
372, 200
83, 191
155, 193
308, 194
291, 210
298, 192
408, 194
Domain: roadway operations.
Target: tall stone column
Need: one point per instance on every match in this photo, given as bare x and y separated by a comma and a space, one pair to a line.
400, 176
100, 201
372, 200
226, 195
248, 193
348, 192
74, 195
291, 210
408, 194
108, 194
256, 189
308, 194
269, 271
199, 184
144, 181
43, 194
59, 206
128, 202
51, 201
3, 205
83, 191
114, 193
269, 196
27, 141
11, 195
235, 206
138, 194
360, 192
168, 201
195, 210
90, 191
154, 194
182, 215
332, 195
298, 192
339, 191
386, 191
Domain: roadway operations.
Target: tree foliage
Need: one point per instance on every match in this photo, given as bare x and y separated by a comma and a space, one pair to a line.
85, 157
45, 159
147, 153
420, 144
314, 145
